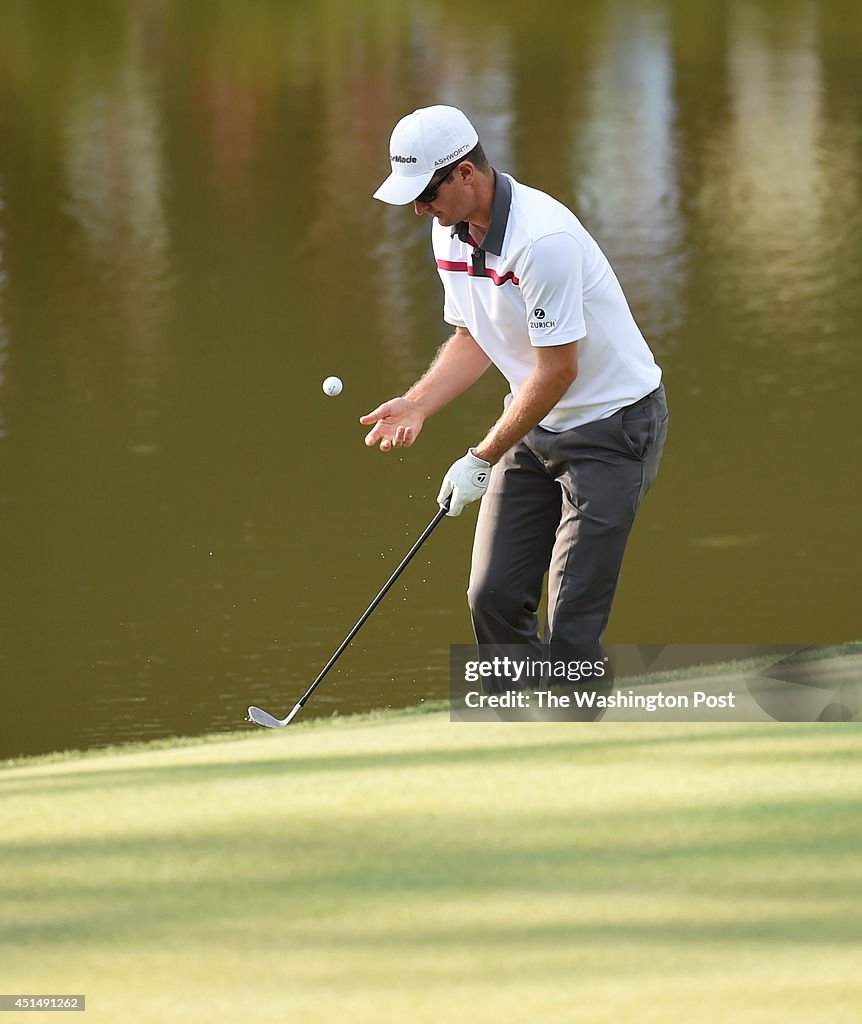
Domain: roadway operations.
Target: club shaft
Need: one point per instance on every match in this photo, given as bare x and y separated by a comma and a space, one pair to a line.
363, 618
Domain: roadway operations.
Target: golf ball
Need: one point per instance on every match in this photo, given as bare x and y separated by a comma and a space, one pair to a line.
332, 386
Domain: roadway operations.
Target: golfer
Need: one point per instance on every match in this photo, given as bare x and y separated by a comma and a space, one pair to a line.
565, 467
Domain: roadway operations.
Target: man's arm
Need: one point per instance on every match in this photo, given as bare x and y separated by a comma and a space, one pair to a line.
459, 364
467, 479
556, 369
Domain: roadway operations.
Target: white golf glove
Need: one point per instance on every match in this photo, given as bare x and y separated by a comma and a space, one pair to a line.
466, 480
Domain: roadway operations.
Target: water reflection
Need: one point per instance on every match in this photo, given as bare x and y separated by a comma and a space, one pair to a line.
113, 163
4, 337
766, 195
188, 246
625, 169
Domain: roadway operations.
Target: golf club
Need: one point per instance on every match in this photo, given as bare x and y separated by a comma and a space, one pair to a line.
261, 717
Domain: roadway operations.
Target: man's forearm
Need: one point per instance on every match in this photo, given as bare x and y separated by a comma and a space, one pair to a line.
458, 365
539, 394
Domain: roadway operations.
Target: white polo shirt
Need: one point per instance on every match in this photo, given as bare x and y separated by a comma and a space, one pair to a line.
538, 279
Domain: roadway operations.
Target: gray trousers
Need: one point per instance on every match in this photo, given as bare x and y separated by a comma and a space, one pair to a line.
562, 504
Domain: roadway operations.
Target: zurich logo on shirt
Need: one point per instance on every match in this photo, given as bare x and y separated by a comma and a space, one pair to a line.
540, 320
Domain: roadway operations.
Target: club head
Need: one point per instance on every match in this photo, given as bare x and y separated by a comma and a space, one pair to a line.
261, 717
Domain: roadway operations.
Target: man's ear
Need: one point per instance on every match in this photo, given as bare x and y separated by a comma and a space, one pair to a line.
467, 172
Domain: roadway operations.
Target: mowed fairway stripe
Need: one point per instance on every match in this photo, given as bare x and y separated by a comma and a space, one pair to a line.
406, 869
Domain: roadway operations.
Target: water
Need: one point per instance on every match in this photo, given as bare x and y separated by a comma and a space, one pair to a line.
188, 247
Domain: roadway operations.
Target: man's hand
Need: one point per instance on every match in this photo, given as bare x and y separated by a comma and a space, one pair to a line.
466, 481
396, 424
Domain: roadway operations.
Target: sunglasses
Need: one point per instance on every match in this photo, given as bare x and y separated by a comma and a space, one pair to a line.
430, 193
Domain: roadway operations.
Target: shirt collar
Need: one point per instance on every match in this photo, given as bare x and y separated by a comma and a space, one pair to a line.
500, 206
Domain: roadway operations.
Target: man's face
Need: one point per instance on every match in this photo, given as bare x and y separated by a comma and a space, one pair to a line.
451, 197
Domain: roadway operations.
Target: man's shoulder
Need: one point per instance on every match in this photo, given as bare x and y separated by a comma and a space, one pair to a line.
536, 214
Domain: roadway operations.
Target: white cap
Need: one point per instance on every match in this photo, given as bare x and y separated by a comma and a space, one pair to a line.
421, 144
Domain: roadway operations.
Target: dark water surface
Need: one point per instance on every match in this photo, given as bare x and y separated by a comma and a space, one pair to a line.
188, 247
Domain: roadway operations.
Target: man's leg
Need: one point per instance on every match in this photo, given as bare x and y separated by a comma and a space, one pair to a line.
604, 468
515, 531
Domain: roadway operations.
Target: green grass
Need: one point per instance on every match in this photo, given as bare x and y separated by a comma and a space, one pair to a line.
404, 869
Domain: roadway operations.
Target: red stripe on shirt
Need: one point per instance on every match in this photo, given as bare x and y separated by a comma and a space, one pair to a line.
465, 267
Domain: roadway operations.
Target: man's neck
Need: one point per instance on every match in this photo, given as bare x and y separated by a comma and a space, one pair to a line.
480, 219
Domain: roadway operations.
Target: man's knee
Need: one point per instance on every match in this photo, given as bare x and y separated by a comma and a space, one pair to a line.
489, 597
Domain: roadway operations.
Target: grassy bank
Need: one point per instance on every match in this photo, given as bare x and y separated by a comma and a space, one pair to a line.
406, 869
